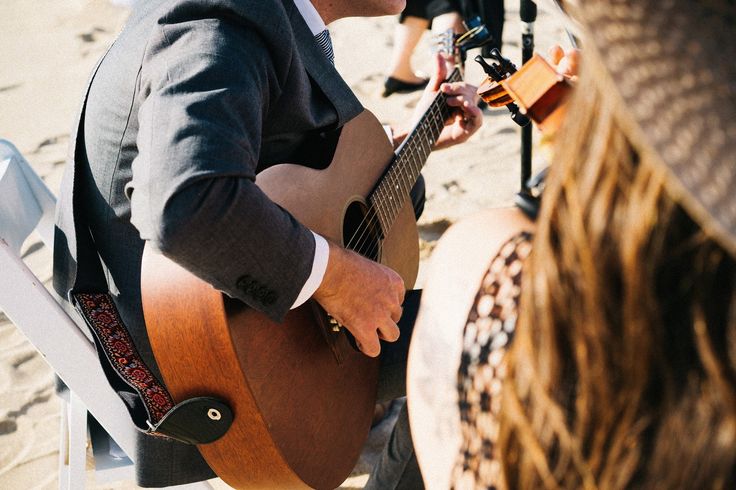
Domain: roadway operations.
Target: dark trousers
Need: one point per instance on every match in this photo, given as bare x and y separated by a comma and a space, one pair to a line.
491, 13
397, 467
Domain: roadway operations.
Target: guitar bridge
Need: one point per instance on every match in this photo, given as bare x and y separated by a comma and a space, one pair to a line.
332, 331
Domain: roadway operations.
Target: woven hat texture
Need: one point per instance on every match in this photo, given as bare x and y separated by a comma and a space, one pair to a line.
673, 62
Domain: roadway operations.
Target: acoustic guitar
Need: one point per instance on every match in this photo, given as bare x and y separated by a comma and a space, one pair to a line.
302, 396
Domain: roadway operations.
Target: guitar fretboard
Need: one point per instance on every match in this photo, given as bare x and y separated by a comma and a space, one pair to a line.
392, 191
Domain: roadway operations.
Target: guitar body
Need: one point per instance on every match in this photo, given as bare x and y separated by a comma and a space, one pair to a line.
302, 397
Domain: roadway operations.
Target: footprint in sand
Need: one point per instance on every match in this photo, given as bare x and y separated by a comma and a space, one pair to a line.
54, 140
432, 231
39, 467
7, 427
15, 446
11, 341
91, 36
453, 188
8, 88
368, 85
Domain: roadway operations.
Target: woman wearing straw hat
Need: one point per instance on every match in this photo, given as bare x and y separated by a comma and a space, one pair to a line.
621, 371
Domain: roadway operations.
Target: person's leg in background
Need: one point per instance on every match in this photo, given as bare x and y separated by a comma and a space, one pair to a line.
446, 15
492, 14
401, 75
418, 16
407, 35
397, 467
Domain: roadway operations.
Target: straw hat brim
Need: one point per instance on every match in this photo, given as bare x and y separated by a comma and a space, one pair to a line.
673, 64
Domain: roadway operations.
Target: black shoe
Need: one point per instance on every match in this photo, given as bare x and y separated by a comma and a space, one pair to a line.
395, 86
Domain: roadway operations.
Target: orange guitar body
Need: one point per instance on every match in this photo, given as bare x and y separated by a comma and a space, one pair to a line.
302, 397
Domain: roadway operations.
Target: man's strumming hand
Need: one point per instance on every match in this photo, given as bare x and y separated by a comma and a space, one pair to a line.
362, 295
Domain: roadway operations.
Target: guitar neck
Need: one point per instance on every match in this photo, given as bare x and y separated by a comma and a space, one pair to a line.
392, 190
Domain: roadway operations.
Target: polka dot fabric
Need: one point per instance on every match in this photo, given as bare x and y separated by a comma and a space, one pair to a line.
487, 334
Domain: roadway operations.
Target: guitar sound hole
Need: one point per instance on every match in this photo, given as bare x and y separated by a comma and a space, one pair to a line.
361, 231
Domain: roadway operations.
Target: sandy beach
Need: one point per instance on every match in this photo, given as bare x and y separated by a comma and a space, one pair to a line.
47, 49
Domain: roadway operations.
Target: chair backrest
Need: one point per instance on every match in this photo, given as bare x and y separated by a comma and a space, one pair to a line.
25, 201
27, 204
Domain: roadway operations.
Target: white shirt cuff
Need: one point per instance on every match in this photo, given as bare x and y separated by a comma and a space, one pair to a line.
319, 266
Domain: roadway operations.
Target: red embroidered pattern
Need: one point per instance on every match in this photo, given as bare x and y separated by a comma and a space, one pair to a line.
102, 315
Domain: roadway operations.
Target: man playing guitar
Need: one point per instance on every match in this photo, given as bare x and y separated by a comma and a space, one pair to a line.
193, 100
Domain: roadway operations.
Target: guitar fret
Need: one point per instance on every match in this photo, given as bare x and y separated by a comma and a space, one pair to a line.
439, 119
385, 221
386, 208
376, 203
396, 192
391, 193
404, 184
390, 179
415, 163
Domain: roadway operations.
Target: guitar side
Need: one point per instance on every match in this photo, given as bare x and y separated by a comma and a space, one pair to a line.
302, 413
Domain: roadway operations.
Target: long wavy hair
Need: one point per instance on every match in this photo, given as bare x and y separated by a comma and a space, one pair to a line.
622, 373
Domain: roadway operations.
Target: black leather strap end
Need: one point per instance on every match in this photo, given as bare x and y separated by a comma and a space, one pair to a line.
198, 420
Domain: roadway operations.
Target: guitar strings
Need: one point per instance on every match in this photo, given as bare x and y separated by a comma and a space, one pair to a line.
369, 221
372, 216
361, 240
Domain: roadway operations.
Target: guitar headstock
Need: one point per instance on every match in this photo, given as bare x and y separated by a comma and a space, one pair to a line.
456, 46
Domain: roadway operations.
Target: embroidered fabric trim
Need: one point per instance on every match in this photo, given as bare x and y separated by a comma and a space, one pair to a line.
103, 317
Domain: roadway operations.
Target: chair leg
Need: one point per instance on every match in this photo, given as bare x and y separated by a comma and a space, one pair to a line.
73, 449
64, 446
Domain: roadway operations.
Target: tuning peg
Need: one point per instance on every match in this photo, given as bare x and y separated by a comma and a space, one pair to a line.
490, 70
505, 66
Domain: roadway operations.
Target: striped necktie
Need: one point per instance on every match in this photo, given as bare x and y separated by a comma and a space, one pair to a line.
324, 42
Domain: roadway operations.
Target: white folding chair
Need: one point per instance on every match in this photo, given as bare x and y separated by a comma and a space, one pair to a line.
27, 204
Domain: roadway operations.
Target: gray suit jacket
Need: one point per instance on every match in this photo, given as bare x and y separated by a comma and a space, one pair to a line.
193, 99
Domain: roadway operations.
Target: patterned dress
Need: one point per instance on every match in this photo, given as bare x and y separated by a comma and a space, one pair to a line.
487, 334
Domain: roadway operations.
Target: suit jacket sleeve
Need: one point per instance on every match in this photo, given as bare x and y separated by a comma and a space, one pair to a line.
207, 85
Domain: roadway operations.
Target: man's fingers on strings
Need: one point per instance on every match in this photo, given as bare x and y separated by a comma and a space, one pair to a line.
371, 347
389, 332
453, 88
457, 101
396, 314
440, 72
469, 116
466, 104
473, 117
401, 292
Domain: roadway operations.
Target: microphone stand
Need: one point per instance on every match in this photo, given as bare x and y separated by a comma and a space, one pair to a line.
528, 14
